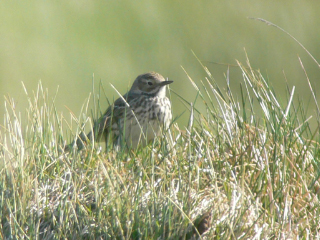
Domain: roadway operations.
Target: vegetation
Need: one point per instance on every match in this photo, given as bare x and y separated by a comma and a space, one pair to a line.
230, 174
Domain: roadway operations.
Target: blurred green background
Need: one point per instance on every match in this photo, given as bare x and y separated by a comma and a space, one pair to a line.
63, 43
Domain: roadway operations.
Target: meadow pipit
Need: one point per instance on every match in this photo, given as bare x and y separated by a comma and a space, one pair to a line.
137, 117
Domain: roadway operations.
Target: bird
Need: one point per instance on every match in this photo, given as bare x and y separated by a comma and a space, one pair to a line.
136, 118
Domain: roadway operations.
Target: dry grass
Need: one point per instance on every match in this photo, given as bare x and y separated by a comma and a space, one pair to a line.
230, 174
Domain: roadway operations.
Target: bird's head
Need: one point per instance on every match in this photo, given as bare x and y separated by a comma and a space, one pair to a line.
151, 83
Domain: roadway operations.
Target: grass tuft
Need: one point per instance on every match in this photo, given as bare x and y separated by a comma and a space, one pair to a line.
230, 174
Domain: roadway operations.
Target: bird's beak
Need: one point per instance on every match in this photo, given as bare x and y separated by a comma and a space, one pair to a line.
165, 83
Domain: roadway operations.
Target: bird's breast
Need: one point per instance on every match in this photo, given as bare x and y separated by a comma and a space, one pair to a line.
146, 119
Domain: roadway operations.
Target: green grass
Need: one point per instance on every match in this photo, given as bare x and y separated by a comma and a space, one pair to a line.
230, 174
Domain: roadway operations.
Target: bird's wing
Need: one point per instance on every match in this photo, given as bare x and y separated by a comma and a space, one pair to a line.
113, 113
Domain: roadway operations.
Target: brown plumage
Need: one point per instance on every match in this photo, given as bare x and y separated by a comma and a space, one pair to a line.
138, 117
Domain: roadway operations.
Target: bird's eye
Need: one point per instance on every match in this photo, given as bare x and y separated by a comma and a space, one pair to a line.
149, 83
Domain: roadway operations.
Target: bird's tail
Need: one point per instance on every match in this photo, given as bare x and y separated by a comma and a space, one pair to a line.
80, 143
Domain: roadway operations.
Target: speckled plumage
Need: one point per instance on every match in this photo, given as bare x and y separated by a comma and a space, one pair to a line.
139, 116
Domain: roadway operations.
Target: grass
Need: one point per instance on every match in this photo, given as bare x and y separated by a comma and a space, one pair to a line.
230, 174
